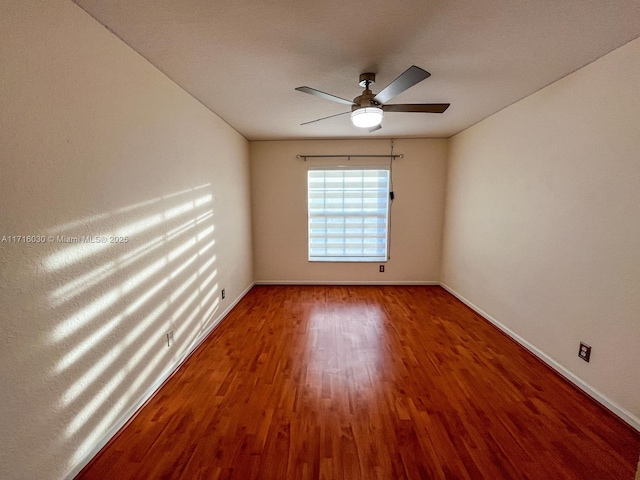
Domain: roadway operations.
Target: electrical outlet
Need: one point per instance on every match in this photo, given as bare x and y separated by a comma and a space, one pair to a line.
585, 352
223, 294
169, 338
381, 268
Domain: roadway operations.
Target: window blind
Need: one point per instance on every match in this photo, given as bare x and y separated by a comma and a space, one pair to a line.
348, 215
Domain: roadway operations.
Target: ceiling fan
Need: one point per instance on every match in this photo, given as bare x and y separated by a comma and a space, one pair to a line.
367, 109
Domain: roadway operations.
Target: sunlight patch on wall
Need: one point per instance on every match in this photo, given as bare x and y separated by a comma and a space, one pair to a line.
117, 301
80, 251
145, 205
198, 292
84, 282
188, 328
132, 307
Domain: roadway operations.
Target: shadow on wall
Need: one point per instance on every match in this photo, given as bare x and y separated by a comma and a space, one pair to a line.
108, 309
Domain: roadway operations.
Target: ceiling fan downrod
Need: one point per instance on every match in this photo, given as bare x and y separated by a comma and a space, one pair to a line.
366, 98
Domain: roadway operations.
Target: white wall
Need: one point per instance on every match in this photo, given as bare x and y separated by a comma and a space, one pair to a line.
279, 210
542, 228
95, 141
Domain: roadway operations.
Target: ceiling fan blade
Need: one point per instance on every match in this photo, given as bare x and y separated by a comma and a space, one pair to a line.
326, 96
417, 107
408, 79
324, 118
373, 129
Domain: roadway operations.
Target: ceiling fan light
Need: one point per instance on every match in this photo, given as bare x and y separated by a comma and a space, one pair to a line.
367, 117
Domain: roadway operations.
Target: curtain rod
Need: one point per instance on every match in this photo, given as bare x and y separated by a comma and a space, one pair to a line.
348, 156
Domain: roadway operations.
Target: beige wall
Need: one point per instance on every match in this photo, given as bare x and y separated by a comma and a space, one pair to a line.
95, 141
279, 210
542, 228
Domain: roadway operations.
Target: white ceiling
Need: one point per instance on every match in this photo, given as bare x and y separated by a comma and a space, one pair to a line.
243, 58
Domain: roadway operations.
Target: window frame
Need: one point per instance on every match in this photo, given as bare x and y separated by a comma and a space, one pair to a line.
387, 218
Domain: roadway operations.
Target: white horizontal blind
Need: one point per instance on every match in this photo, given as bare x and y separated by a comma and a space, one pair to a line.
348, 215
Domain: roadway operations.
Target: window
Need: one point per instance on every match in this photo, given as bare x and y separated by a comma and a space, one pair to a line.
348, 215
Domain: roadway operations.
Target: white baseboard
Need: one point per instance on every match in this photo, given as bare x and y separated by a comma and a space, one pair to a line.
126, 415
622, 413
345, 282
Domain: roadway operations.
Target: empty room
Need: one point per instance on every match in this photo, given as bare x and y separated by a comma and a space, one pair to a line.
319, 240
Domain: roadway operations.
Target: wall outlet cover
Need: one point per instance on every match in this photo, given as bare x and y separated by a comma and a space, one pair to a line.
584, 352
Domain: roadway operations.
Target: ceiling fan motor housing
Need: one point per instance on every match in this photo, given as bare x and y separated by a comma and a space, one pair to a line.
364, 100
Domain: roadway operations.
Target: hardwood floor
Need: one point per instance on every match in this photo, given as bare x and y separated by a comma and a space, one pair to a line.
365, 383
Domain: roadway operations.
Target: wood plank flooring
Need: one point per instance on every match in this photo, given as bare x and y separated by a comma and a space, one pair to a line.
365, 383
